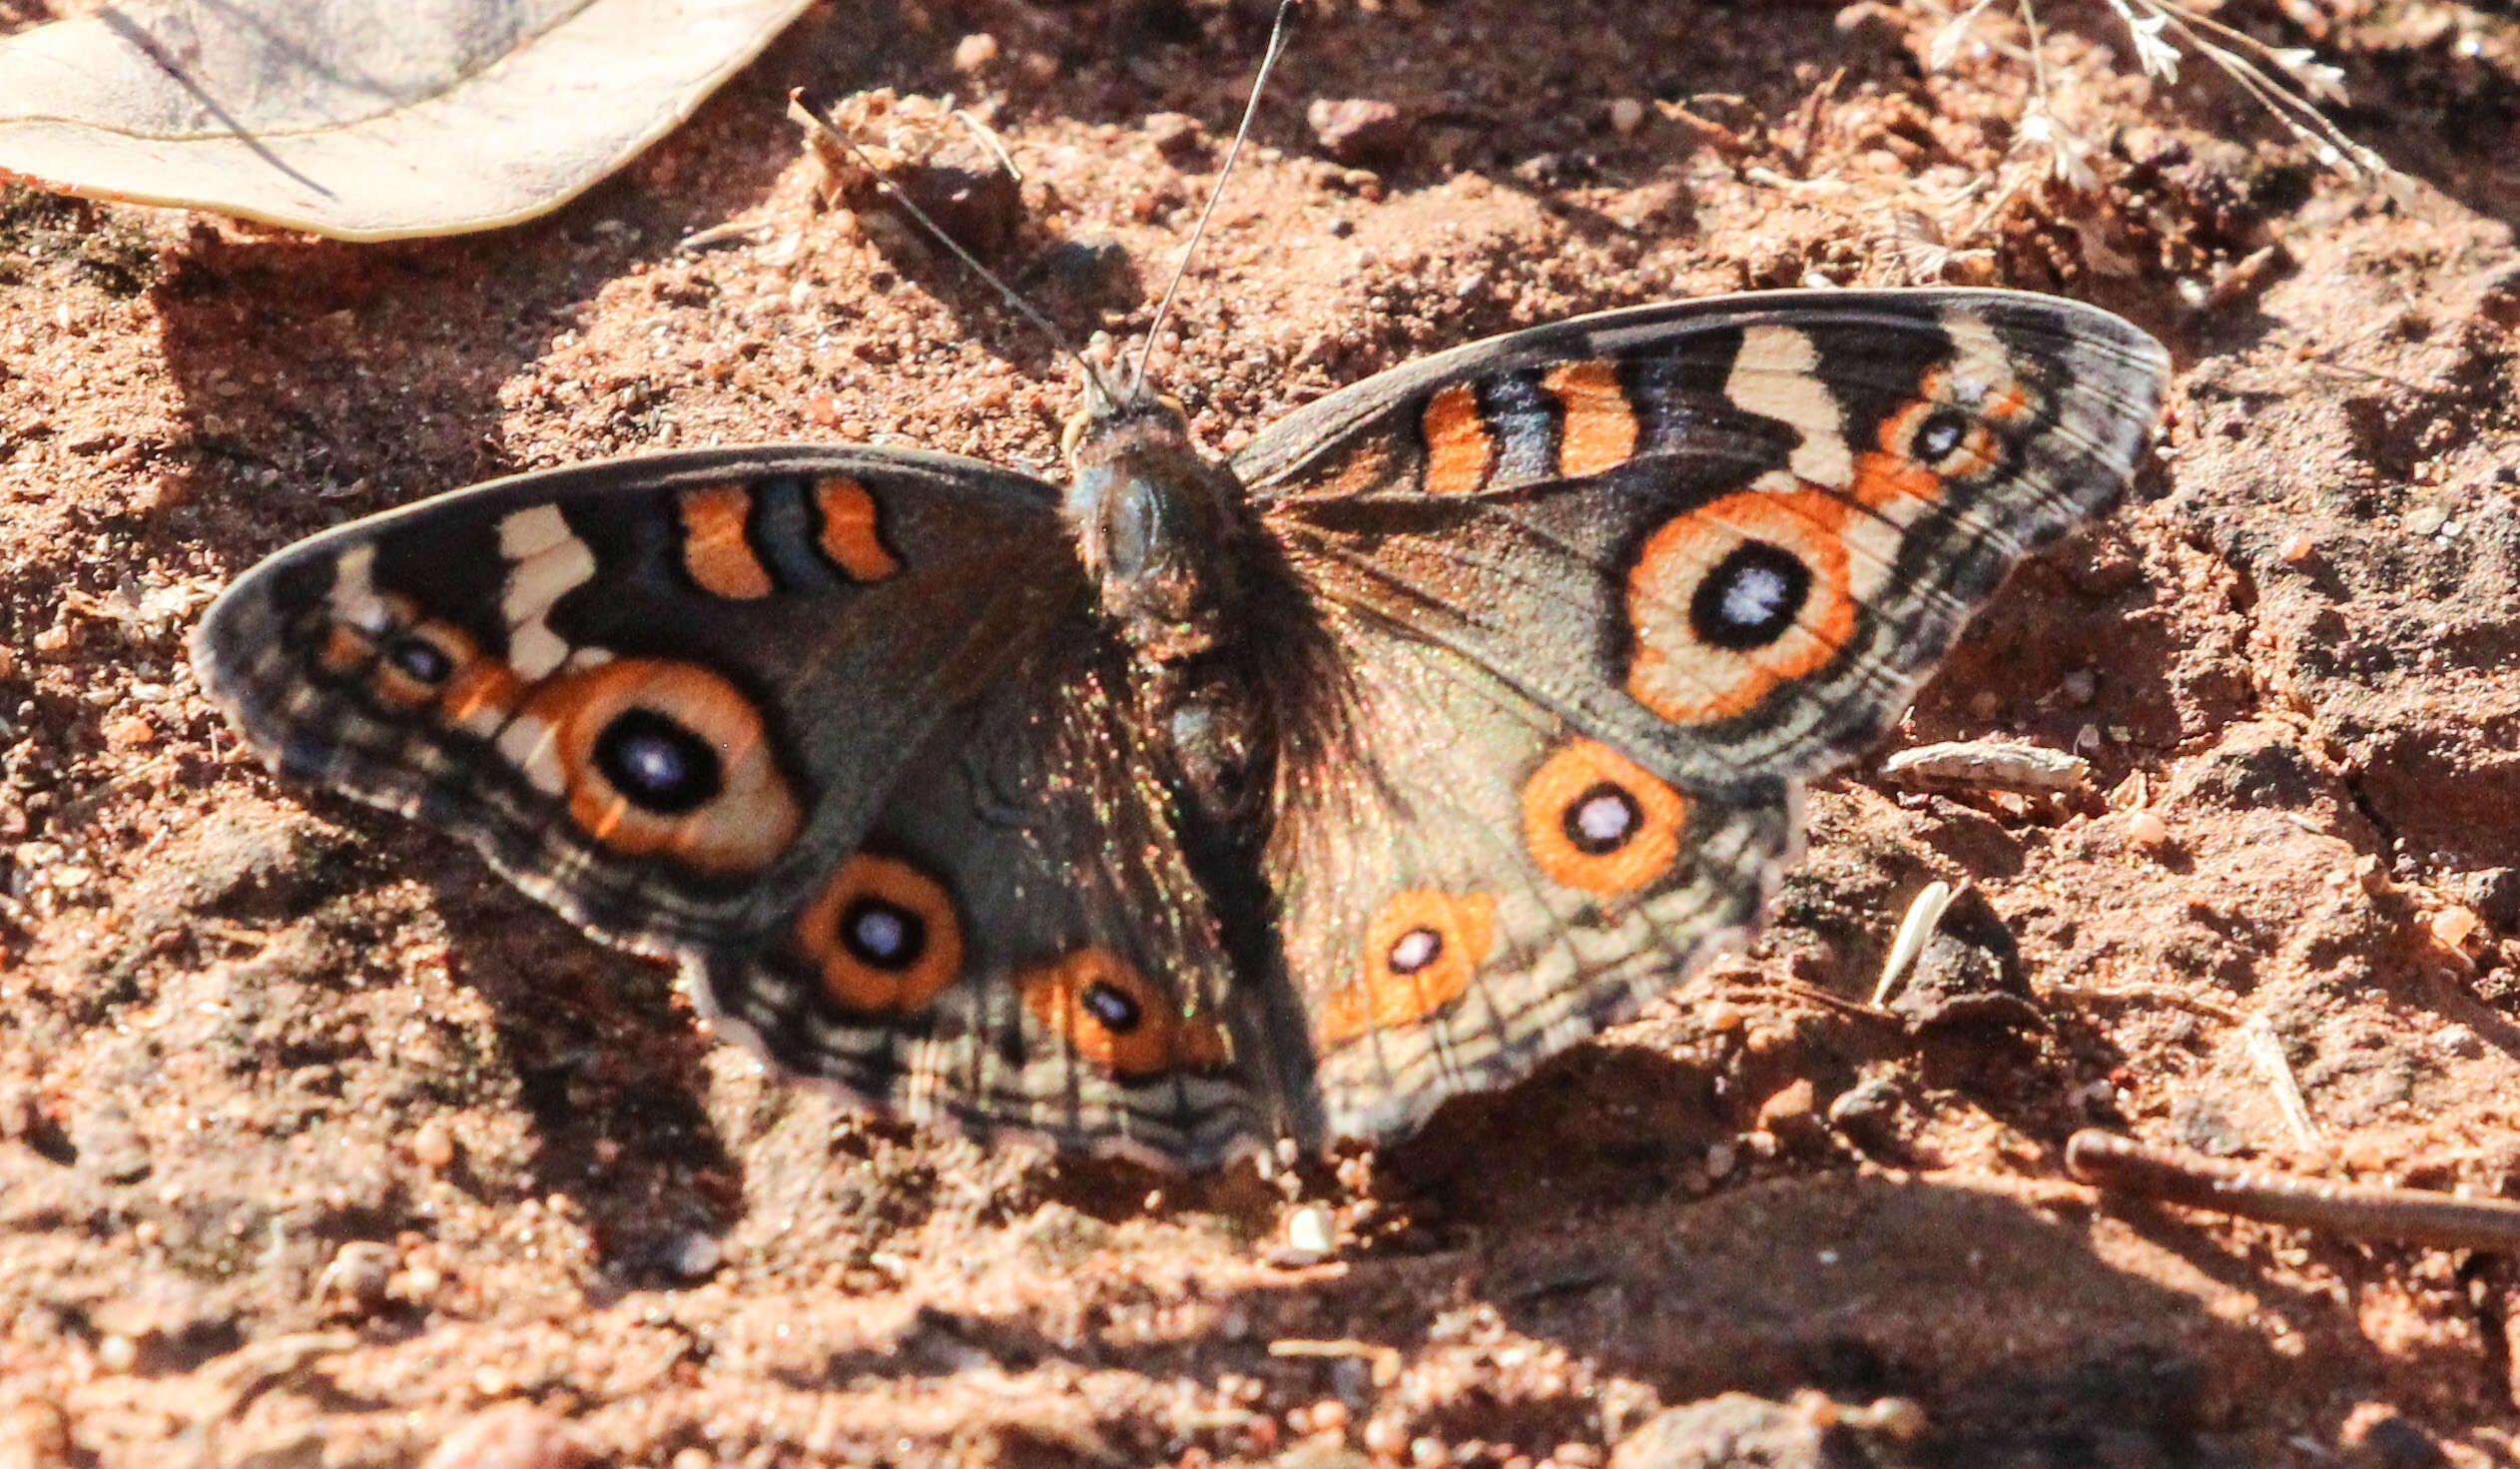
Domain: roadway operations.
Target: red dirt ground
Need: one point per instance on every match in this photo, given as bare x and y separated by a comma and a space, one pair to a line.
243, 1028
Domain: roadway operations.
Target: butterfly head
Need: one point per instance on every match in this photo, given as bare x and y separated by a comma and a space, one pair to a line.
1155, 521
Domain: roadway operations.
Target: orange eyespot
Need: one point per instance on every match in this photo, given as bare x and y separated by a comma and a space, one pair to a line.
419, 664
1118, 1021
1730, 600
1420, 952
1595, 820
658, 759
885, 937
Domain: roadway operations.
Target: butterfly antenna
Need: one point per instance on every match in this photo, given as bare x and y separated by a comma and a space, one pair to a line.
1251, 109
1094, 381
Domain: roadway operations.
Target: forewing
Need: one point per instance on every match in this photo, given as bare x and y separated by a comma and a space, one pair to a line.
512, 661
1728, 536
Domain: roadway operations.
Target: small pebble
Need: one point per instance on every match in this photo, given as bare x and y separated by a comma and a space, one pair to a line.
1385, 1437
1721, 1157
1901, 1420
1173, 133
2453, 926
1626, 116
116, 1352
2147, 830
358, 1275
2297, 547
1425, 1453
971, 54
694, 1457
1789, 1110
1359, 130
432, 1145
1579, 1455
1330, 1416
2080, 686
1311, 1230
692, 1255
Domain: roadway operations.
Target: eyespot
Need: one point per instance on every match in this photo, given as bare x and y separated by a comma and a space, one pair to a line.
657, 764
885, 937
1751, 597
1730, 600
1595, 820
1116, 1020
1419, 955
413, 664
658, 759
418, 659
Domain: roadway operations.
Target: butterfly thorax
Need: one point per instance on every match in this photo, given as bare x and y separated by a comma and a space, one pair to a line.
1168, 538
1158, 523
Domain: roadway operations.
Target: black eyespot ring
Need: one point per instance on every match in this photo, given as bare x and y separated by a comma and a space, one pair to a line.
657, 764
1939, 435
1584, 838
1117, 1010
1751, 597
882, 935
1400, 964
418, 659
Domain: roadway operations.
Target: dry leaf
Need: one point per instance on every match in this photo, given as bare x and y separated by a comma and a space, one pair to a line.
362, 119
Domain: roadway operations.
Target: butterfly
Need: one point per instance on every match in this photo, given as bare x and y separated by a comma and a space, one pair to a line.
1204, 802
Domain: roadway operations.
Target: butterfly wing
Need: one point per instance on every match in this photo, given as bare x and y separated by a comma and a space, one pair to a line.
1607, 591
1470, 884
767, 710
1728, 536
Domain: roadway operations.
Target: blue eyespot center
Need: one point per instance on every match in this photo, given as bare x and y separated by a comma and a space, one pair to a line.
1114, 1008
1751, 597
418, 659
882, 935
1414, 951
657, 764
1602, 820
1943, 432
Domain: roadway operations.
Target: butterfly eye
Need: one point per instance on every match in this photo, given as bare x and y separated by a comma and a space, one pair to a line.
884, 936
1074, 433
1595, 819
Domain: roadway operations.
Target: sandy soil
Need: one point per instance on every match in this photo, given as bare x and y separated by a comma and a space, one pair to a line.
318, 1143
